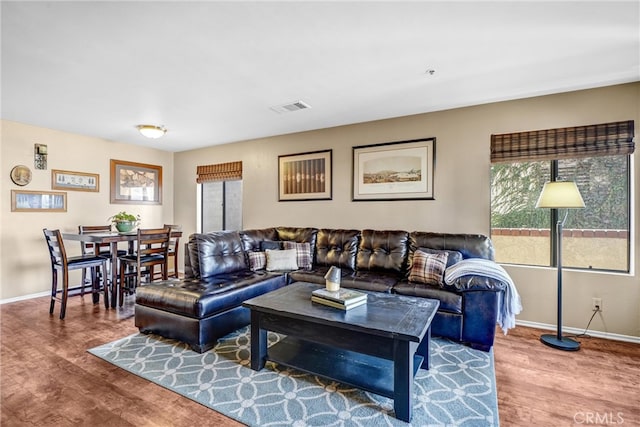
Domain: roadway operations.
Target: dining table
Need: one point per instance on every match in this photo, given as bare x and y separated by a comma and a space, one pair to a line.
112, 238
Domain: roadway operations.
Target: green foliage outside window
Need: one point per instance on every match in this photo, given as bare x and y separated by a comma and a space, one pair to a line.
602, 181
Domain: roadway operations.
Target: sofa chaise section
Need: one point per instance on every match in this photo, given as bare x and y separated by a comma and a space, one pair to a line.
206, 304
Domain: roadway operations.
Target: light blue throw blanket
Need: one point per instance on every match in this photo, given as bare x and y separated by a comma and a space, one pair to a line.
510, 304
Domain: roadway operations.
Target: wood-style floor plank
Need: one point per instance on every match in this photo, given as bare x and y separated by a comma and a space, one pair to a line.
48, 378
539, 385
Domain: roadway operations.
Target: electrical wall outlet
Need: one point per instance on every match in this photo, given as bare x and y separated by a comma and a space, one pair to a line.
596, 304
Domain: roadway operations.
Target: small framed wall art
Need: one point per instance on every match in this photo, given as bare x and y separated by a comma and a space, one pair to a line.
21, 175
305, 176
38, 201
401, 170
135, 183
76, 181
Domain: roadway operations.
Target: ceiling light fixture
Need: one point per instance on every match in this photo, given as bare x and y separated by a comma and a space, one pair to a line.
152, 131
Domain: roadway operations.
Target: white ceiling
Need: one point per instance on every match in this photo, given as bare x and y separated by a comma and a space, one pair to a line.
210, 71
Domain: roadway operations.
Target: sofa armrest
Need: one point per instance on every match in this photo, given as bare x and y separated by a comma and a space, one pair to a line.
475, 283
480, 314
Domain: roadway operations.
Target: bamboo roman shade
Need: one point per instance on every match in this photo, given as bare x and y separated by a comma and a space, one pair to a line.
219, 172
562, 143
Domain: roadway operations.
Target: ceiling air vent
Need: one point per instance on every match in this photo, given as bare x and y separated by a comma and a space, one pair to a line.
292, 106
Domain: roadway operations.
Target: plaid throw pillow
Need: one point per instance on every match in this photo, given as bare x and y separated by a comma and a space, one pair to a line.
303, 254
257, 261
428, 268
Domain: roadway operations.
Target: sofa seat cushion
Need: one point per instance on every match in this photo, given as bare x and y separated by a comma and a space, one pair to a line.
370, 281
315, 275
205, 297
449, 301
365, 280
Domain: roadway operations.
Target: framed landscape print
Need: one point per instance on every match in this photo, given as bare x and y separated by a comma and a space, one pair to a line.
401, 170
38, 201
305, 176
77, 181
135, 183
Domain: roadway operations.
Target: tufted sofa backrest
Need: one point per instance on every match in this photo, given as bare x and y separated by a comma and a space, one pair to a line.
365, 250
383, 250
251, 239
299, 235
469, 245
214, 253
337, 247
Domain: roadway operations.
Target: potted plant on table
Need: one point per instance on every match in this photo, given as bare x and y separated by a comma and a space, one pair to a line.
125, 221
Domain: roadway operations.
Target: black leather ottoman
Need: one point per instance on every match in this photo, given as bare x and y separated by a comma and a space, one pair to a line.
197, 311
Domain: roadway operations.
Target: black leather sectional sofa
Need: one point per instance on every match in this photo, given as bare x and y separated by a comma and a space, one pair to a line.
207, 303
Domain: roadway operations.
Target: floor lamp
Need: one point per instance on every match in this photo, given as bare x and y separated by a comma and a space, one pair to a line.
560, 195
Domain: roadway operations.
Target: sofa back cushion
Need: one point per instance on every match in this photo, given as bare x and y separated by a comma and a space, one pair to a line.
383, 250
252, 239
297, 234
217, 253
469, 245
337, 247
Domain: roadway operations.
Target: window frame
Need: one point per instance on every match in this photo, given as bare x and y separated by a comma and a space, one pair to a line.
554, 215
201, 202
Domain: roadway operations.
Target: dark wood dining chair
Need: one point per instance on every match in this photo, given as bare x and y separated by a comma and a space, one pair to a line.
152, 247
102, 249
174, 244
61, 264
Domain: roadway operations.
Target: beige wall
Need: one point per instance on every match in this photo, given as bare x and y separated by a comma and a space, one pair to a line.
462, 195
461, 192
24, 262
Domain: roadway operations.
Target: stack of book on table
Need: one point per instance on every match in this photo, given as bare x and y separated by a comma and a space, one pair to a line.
344, 299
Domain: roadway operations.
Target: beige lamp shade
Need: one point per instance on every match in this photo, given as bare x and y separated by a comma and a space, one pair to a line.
560, 194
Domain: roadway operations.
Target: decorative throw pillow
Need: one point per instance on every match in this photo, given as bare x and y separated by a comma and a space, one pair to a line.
303, 254
428, 268
281, 260
257, 261
454, 256
270, 244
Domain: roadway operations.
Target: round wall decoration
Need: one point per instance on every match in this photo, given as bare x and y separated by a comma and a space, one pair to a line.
21, 175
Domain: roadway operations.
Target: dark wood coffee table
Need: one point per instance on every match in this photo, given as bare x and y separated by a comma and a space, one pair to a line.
378, 346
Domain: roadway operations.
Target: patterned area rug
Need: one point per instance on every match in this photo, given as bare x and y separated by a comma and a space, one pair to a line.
458, 390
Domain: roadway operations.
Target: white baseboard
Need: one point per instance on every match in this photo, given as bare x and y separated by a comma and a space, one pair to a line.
576, 331
24, 297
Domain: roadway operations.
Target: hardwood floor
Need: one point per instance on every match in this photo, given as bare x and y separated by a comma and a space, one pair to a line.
47, 377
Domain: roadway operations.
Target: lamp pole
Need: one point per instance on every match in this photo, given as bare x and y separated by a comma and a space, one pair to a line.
557, 195
557, 341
